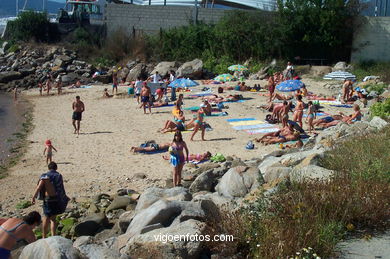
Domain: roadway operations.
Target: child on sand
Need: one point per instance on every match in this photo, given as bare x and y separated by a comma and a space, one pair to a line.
114, 83
40, 86
311, 115
49, 149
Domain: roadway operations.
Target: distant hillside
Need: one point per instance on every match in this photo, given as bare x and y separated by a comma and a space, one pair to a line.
8, 7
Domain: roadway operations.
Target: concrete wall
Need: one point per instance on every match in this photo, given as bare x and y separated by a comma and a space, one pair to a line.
372, 39
149, 19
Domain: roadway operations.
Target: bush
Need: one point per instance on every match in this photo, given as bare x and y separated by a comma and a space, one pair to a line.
318, 214
381, 109
30, 26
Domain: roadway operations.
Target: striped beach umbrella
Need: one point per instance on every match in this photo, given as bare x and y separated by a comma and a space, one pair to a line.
289, 86
339, 75
238, 68
225, 78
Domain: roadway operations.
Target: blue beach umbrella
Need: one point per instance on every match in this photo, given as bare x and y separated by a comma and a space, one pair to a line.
183, 82
289, 86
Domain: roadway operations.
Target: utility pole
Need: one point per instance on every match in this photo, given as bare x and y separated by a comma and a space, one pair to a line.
195, 12
376, 8
17, 8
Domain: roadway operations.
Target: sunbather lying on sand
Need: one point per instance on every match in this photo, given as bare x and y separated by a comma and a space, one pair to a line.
159, 104
194, 157
356, 116
218, 99
153, 147
280, 97
283, 135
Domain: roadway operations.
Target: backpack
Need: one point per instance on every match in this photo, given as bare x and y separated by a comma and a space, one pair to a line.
220, 90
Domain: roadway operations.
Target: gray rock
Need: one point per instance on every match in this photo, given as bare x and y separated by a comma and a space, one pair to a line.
79, 63
238, 181
378, 123
124, 220
151, 227
119, 202
191, 210
123, 72
165, 67
69, 78
340, 66
83, 240
131, 64
204, 182
310, 172
98, 251
192, 69
6, 77
161, 211
151, 195
238, 162
91, 224
53, 247
276, 173
136, 71
145, 244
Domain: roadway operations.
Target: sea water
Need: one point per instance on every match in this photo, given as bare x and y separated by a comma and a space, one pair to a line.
11, 119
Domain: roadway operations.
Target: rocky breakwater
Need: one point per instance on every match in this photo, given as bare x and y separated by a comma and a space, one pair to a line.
29, 65
128, 224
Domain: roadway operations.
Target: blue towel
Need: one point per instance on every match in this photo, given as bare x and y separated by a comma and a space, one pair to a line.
342, 105
257, 126
242, 119
168, 105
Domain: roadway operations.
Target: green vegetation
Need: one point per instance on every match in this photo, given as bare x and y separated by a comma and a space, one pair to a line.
317, 214
23, 204
31, 25
381, 109
372, 68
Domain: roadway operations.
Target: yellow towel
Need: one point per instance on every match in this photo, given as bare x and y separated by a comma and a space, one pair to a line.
240, 123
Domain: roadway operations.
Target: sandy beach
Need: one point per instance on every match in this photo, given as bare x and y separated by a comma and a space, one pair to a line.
99, 159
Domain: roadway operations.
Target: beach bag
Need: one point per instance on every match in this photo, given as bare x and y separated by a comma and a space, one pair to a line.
250, 145
270, 120
220, 106
220, 90
218, 158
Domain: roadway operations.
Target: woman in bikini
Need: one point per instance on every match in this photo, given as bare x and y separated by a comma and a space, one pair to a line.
176, 150
311, 115
199, 157
176, 124
298, 112
356, 116
13, 230
199, 123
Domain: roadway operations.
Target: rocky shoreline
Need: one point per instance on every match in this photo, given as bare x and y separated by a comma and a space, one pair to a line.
125, 224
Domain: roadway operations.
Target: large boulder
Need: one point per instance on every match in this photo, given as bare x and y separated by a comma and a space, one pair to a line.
91, 225
6, 77
239, 181
124, 220
340, 66
204, 182
378, 123
123, 73
192, 69
98, 251
69, 78
163, 68
153, 194
312, 172
55, 247
165, 242
120, 202
105, 79
135, 72
276, 173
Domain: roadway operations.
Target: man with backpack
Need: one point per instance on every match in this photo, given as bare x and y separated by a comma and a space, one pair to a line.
51, 190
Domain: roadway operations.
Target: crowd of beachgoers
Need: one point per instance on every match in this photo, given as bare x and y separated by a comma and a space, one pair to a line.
292, 112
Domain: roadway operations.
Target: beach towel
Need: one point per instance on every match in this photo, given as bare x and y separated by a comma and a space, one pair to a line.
257, 126
85, 86
292, 142
240, 119
319, 114
252, 122
342, 105
168, 105
239, 101
153, 152
217, 114
262, 131
329, 102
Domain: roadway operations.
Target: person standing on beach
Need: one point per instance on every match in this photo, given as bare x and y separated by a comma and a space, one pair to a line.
199, 123
59, 85
49, 151
78, 108
55, 200
15, 94
298, 112
138, 88
48, 85
177, 159
271, 87
114, 83
146, 98
40, 86
156, 78
13, 230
